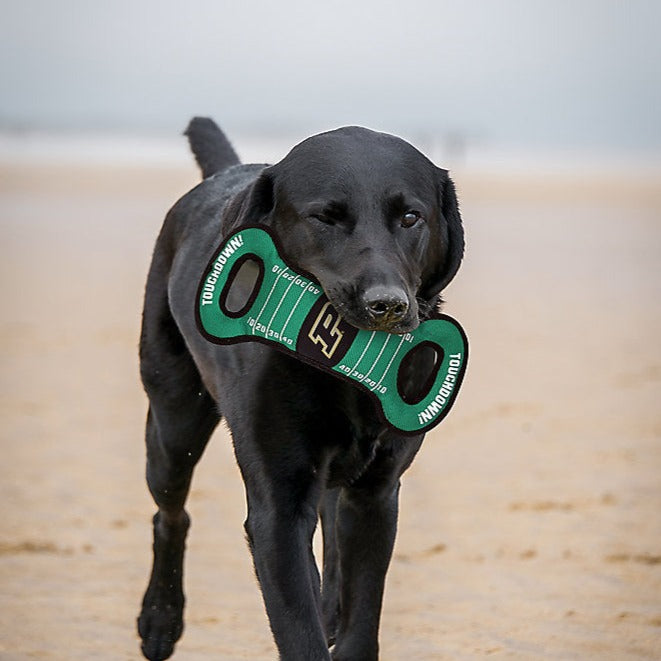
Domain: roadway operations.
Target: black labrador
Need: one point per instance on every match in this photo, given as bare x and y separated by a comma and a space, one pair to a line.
378, 225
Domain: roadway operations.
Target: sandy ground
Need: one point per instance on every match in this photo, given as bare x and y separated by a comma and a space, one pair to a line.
530, 524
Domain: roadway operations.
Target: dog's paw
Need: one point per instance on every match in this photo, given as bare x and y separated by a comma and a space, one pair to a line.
160, 626
353, 653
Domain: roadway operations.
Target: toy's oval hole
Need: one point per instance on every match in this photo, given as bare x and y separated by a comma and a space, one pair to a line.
418, 371
243, 284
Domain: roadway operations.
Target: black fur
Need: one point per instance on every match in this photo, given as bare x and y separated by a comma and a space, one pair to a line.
378, 226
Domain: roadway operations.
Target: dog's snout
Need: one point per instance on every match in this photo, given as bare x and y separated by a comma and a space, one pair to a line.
386, 304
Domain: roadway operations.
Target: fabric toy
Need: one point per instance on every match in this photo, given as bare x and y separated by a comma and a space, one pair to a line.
289, 311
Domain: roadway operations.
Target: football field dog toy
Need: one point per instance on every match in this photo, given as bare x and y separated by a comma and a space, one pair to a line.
289, 311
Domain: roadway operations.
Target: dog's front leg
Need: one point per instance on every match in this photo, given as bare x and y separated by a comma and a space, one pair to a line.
365, 528
282, 515
330, 596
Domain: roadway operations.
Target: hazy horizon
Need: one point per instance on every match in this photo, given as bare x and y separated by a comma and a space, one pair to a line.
582, 75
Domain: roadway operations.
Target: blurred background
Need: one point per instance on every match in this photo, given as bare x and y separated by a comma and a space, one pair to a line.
466, 78
530, 524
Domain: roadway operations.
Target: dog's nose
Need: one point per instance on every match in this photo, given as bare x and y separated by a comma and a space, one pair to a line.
386, 304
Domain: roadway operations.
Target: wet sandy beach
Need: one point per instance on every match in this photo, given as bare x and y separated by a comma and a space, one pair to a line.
530, 524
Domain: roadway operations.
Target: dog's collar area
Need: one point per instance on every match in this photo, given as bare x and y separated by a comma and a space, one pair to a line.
249, 293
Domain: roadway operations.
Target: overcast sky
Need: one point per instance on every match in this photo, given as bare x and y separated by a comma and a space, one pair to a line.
529, 73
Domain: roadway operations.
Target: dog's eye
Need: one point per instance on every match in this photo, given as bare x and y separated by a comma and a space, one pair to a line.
322, 218
410, 218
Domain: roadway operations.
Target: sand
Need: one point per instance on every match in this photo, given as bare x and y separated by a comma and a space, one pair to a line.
530, 523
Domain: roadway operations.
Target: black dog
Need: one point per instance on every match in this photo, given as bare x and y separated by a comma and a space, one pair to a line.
378, 225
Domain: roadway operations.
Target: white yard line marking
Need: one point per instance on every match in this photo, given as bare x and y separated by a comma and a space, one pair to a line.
298, 300
399, 346
377, 358
268, 328
367, 346
266, 302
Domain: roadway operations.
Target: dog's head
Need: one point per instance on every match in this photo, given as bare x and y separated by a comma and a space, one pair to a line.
370, 217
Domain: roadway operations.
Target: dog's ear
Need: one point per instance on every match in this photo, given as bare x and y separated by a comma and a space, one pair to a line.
253, 204
448, 239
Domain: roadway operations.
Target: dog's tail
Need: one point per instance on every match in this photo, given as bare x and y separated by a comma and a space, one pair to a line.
213, 151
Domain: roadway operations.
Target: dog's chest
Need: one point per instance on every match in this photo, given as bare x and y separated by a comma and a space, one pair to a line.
351, 462
355, 442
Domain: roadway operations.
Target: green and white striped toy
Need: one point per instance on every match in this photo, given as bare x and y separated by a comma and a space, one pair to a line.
289, 311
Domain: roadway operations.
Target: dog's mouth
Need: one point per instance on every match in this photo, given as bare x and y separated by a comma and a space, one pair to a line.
390, 318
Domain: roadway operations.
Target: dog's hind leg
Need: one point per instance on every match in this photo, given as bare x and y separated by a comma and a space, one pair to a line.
181, 418
169, 471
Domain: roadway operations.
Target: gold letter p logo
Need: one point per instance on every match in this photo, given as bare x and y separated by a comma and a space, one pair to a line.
325, 330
